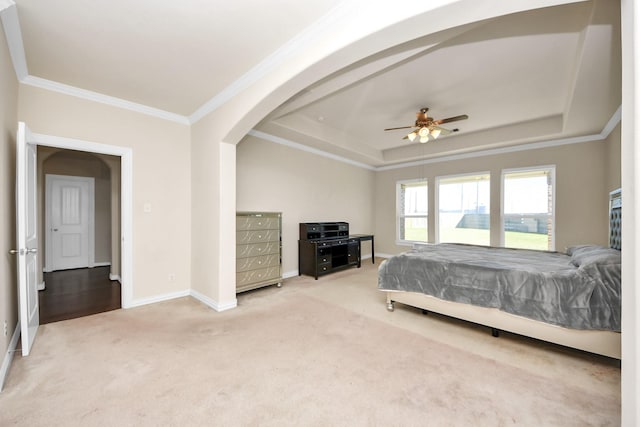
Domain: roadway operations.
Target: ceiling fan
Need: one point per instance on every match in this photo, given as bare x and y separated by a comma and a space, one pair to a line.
426, 126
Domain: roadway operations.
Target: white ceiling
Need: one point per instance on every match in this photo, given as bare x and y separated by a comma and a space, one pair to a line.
546, 74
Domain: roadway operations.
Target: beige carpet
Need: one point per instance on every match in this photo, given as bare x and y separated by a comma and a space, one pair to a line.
300, 355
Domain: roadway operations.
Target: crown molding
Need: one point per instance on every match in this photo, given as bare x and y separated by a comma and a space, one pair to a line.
302, 147
611, 124
5, 4
11, 25
103, 99
496, 151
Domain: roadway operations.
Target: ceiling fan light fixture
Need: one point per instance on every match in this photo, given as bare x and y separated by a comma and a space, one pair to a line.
427, 127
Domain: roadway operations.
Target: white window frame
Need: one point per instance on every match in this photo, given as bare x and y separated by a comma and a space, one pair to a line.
437, 197
400, 211
552, 177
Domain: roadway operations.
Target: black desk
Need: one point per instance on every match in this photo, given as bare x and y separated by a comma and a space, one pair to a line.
361, 238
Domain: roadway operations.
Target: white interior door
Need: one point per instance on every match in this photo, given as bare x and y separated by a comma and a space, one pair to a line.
27, 238
70, 222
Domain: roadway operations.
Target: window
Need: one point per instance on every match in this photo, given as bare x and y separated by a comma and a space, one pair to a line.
463, 209
412, 224
528, 208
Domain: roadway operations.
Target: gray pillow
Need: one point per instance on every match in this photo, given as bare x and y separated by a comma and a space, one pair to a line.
592, 254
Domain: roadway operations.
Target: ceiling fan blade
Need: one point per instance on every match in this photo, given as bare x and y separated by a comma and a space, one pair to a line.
403, 127
443, 131
451, 119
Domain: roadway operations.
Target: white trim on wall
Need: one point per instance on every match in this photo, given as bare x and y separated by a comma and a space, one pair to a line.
5, 4
8, 357
13, 34
158, 298
101, 264
611, 124
290, 274
302, 147
496, 151
213, 303
103, 99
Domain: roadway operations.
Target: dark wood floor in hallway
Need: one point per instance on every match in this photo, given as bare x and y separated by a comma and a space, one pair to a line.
76, 293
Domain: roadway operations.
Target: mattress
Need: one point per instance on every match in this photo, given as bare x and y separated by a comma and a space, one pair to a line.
578, 290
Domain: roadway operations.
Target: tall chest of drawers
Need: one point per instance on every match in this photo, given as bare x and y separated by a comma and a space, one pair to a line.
258, 250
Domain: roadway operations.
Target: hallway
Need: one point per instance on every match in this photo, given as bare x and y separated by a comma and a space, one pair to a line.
77, 293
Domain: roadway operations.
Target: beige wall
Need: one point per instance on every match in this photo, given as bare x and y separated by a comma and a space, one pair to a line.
582, 186
305, 187
205, 212
8, 129
161, 178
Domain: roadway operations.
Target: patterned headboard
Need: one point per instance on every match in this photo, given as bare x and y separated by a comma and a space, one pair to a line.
615, 219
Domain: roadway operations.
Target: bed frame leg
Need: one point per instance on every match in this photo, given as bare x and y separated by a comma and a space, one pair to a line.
425, 312
495, 332
390, 306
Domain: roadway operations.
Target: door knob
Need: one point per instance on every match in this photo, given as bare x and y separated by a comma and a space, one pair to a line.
23, 251
54, 229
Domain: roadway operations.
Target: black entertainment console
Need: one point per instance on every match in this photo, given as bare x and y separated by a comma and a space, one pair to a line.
325, 247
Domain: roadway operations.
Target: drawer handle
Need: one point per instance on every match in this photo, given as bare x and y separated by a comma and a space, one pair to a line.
259, 236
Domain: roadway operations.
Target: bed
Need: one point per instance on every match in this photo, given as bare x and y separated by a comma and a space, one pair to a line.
571, 299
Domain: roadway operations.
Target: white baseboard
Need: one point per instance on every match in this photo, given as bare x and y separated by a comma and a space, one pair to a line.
8, 357
212, 303
41, 286
158, 298
101, 264
290, 274
188, 292
115, 278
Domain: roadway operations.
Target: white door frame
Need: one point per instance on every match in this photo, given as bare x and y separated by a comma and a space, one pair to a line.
126, 198
91, 247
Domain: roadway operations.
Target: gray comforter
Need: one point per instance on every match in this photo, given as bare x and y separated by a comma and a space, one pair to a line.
579, 290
